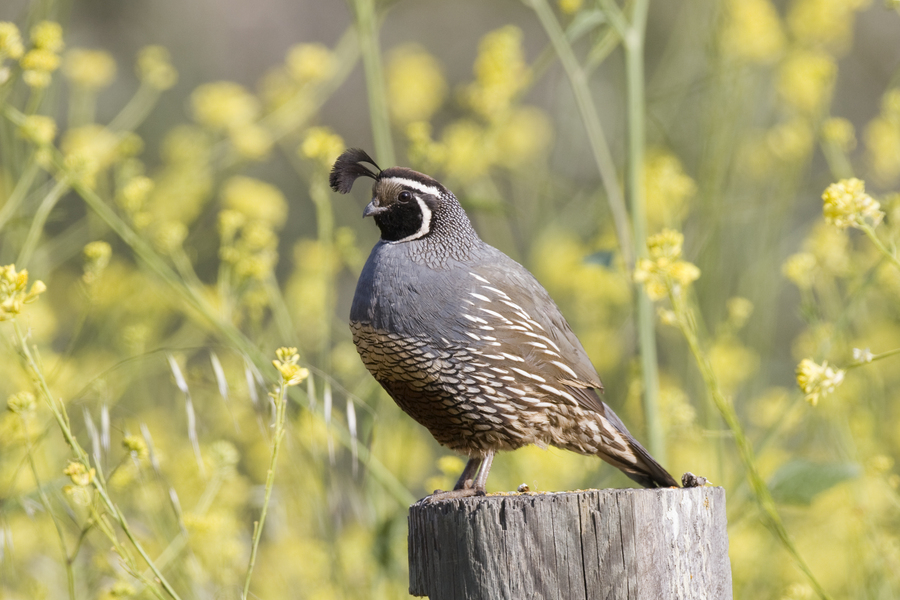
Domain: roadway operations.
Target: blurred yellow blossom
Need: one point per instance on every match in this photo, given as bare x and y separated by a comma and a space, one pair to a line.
824, 22
667, 188
663, 271
415, 84
96, 259
817, 381
790, 141
223, 104
14, 293
37, 65
39, 129
839, 132
135, 446
883, 142
752, 31
570, 7
831, 248
322, 145
21, 404
154, 68
805, 79
250, 141
255, 199
863, 355
310, 62
732, 362
286, 363
92, 69
846, 204
10, 41
134, 193
466, 153
739, 310
79, 474
224, 455
500, 72
799, 268
170, 235
523, 137
47, 35
90, 150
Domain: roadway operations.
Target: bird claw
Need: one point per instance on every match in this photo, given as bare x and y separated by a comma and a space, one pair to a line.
440, 495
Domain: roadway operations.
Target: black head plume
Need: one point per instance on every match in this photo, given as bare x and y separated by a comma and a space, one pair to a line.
348, 167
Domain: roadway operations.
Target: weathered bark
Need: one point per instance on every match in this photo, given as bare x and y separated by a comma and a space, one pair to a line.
609, 544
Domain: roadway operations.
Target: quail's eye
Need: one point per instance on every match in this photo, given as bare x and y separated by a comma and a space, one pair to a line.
404, 196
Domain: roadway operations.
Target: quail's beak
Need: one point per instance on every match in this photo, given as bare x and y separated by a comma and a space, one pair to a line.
372, 208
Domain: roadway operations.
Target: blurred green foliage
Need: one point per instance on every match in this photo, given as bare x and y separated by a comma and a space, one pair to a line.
153, 282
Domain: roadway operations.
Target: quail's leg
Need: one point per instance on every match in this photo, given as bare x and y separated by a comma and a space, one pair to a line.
468, 475
463, 489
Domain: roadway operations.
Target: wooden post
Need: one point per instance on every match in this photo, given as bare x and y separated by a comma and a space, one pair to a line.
609, 544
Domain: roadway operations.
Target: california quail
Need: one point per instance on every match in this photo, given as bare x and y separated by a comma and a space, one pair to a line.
467, 342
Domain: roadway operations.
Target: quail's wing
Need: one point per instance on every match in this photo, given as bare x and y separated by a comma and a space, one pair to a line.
504, 297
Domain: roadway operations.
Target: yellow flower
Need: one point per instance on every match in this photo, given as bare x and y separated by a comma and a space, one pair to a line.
96, 259
286, 363
500, 72
224, 454
667, 189
805, 79
255, 199
524, 137
828, 22
310, 62
39, 129
752, 31
663, 272
40, 59
22, 403
136, 446
739, 310
251, 141
466, 153
90, 150
47, 35
839, 132
10, 41
79, 474
817, 381
322, 145
846, 204
790, 141
154, 68
13, 293
570, 7
223, 104
91, 69
800, 269
170, 235
883, 146
132, 196
415, 84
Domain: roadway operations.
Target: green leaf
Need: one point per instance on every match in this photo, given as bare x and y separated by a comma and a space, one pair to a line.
799, 481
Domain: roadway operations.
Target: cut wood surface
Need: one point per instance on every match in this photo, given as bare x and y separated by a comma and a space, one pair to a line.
609, 544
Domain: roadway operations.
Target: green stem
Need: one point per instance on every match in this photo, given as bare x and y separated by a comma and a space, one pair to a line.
367, 27
870, 232
62, 420
18, 194
280, 405
685, 320
593, 128
40, 219
45, 501
137, 109
875, 357
633, 38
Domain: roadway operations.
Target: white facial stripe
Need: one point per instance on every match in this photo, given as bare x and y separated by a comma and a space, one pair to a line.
426, 220
416, 185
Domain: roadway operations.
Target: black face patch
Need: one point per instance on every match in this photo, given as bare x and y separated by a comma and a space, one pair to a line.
402, 219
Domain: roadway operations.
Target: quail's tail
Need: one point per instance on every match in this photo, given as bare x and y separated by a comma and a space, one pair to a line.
632, 458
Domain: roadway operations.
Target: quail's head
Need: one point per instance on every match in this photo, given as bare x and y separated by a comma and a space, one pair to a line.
406, 205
